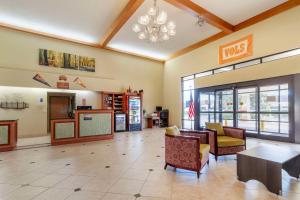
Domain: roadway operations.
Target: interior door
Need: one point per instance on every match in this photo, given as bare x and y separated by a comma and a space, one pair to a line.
59, 107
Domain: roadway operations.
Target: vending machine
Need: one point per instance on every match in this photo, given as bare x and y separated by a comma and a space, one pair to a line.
134, 113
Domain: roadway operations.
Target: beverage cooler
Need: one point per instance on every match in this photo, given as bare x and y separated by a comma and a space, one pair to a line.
120, 122
134, 113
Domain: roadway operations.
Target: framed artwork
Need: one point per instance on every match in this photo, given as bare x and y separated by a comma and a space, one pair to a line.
56, 59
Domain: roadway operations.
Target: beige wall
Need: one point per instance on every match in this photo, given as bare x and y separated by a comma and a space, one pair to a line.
273, 35
33, 120
114, 71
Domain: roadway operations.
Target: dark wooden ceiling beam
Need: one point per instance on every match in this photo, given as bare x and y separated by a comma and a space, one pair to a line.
127, 12
197, 10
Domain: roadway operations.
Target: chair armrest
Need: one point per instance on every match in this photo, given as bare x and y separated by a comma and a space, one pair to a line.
212, 138
235, 132
182, 151
202, 135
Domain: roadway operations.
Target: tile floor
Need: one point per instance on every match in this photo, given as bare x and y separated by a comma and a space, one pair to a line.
24, 143
126, 168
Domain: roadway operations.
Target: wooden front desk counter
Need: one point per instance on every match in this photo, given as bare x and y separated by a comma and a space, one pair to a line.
8, 135
88, 125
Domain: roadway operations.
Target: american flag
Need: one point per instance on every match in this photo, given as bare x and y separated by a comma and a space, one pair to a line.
191, 111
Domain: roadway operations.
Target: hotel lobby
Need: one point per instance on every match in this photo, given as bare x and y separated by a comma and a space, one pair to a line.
149, 100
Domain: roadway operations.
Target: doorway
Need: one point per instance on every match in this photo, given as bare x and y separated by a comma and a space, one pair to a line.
60, 106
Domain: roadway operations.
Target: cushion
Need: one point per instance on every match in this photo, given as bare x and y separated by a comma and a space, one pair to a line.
204, 149
216, 126
173, 130
226, 141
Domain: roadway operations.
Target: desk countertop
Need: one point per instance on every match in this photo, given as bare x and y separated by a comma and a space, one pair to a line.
8, 120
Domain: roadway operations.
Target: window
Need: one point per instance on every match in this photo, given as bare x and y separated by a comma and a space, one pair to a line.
202, 74
223, 69
186, 103
188, 85
277, 56
247, 64
261, 108
187, 94
274, 108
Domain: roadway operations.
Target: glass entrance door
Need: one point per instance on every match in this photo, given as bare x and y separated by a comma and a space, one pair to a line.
263, 109
207, 108
225, 107
246, 112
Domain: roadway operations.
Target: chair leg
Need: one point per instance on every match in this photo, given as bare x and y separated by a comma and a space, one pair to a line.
166, 165
198, 174
208, 162
216, 157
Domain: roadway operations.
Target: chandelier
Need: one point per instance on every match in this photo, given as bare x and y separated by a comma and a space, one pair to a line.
154, 26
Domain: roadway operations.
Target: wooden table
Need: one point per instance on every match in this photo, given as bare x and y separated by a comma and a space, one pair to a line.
264, 163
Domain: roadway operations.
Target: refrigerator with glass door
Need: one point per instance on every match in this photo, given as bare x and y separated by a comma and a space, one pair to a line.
134, 113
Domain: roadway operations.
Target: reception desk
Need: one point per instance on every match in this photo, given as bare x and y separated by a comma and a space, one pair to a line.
88, 125
8, 135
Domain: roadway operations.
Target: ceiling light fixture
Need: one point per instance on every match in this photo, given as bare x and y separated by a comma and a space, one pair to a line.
154, 26
200, 21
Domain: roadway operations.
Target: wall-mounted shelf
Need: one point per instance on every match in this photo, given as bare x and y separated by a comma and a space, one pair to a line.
14, 105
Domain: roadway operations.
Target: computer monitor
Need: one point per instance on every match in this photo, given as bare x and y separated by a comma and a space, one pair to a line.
158, 108
84, 107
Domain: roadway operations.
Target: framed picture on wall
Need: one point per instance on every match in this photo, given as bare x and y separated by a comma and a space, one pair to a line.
56, 59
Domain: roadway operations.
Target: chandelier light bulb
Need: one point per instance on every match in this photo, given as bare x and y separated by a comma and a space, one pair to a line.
162, 18
171, 25
142, 36
154, 26
153, 38
165, 37
144, 20
152, 11
164, 29
172, 32
136, 28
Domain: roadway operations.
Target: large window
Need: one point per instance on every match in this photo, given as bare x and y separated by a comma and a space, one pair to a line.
187, 95
260, 107
274, 110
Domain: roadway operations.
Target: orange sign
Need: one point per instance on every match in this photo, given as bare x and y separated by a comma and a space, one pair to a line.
236, 50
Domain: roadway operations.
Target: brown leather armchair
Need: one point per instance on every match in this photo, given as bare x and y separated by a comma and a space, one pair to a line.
189, 150
233, 141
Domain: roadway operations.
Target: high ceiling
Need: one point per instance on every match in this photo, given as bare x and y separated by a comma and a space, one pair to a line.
107, 24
